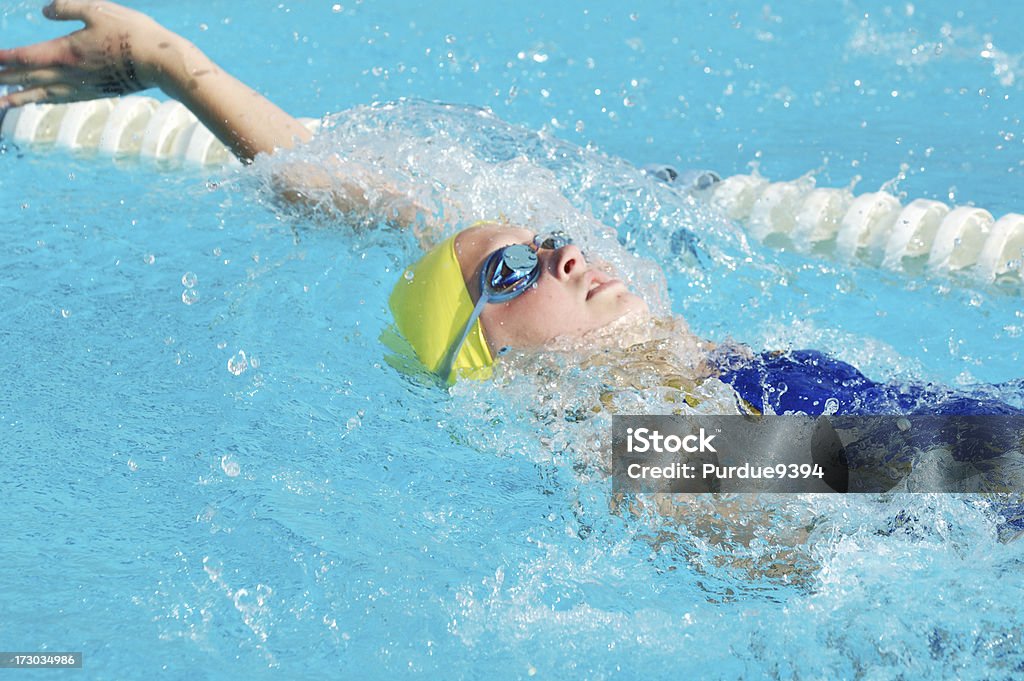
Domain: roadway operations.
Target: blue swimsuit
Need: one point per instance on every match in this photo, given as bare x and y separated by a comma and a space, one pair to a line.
813, 383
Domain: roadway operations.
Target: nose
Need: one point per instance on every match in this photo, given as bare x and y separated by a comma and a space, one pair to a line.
567, 260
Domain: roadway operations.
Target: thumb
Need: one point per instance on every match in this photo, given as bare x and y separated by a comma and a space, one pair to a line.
68, 10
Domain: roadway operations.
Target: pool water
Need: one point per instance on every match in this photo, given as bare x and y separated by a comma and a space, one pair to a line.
212, 470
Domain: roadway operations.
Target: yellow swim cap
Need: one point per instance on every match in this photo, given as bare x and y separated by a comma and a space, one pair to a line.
431, 306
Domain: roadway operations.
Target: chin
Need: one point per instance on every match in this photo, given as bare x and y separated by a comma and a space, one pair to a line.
628, 328
634, 303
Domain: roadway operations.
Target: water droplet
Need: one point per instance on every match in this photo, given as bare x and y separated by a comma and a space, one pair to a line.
238, 363
212, 568
189, 280
336, 8
149, 259
190, 296
230, 466
409, 275
132, 466
65, 313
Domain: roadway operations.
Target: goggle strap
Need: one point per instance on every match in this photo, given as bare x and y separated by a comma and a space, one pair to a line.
453, 353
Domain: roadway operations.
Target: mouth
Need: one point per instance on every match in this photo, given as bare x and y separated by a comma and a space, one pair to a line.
600, 284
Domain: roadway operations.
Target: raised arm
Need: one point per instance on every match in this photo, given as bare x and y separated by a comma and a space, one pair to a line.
121, 51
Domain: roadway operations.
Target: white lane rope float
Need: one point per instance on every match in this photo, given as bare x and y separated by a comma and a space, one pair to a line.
125, 126
876, 227
873, 226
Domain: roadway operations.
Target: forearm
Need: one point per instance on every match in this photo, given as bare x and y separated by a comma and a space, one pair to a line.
248, 123
243, 119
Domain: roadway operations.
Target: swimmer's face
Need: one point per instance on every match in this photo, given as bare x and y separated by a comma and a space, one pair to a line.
571, 297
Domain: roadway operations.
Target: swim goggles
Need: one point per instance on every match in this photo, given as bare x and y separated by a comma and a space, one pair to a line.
506, 274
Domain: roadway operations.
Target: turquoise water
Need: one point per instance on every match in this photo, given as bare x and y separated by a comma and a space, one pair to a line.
213, 472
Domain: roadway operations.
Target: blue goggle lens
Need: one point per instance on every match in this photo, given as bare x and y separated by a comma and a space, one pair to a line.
511, 270
552, 241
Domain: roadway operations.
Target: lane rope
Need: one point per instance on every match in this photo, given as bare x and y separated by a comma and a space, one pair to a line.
874, 226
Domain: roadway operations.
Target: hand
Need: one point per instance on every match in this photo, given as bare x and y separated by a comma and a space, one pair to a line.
106, 58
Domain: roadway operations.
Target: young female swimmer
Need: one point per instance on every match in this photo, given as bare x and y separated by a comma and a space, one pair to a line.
490, 286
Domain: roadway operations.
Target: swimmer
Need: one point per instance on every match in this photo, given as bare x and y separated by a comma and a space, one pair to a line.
489, 287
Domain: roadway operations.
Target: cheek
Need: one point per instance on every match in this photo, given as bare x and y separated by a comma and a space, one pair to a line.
558, 309
530, 320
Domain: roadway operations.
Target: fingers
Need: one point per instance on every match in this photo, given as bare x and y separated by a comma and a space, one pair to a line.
51, 52
69, 10
23, 97
28, 77
57, 93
